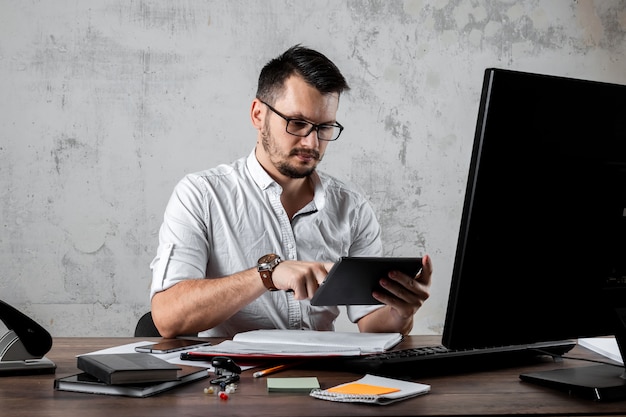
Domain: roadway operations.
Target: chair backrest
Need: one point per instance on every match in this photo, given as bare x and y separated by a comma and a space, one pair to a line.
145, 327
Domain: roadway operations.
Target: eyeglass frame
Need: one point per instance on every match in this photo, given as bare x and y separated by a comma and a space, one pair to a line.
314, 126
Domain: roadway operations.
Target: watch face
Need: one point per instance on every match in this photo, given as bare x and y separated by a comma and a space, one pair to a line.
267, 258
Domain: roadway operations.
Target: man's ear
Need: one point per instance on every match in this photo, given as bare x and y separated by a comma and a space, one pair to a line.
257, 114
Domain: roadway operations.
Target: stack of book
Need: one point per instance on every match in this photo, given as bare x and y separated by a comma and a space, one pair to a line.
127, 374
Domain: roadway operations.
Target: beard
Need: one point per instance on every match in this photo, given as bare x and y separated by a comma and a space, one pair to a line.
283, 162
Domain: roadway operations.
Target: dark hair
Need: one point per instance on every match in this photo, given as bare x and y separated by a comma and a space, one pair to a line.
317, 70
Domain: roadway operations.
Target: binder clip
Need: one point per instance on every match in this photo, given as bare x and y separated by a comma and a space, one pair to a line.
23, 347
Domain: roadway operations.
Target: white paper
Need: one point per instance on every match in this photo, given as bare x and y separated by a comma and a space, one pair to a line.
252, 348
313, 341
605, 346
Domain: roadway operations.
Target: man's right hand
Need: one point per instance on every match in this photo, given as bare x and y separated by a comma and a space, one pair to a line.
303, 278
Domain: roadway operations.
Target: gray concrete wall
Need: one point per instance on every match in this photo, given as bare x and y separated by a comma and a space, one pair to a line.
106, 104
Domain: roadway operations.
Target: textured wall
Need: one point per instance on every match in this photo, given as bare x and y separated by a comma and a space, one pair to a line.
106, 104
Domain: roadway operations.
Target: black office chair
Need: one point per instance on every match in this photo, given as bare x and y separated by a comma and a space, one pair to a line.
145, 327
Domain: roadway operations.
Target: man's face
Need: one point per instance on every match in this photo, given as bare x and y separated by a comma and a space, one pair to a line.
294, 156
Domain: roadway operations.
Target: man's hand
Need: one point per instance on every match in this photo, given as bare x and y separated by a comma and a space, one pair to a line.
303, 278
405, 296
408, 293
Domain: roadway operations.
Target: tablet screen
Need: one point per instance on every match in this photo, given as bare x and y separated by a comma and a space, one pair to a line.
352, 279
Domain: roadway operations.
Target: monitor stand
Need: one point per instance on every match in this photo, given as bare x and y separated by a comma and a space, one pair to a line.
596, 382
604, 382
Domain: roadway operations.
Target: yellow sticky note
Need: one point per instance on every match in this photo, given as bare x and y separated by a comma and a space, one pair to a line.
358, 388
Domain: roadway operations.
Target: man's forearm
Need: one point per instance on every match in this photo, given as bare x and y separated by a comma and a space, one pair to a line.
385, 320
195, 305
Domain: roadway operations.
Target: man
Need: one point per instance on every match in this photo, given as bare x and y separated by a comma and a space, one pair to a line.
245, 246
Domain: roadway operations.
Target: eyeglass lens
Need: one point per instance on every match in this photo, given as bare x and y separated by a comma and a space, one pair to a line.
304, 128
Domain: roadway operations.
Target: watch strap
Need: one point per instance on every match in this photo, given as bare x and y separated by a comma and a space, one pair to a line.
266, 278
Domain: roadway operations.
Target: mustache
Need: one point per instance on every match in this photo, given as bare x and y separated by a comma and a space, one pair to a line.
311, 153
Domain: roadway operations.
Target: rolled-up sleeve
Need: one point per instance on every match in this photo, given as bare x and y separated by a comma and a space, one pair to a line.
183, 246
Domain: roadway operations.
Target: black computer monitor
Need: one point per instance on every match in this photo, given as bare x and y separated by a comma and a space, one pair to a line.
541, 253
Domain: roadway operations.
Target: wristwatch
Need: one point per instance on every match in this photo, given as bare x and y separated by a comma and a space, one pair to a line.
265, 266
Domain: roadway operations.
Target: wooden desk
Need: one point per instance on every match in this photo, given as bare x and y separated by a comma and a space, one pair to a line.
482, 393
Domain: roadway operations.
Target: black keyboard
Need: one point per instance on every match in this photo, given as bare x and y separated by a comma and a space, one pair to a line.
440, 360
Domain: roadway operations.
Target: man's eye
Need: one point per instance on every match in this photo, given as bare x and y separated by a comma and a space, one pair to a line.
300, 124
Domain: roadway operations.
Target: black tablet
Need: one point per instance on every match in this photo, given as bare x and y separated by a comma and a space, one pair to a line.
352, 279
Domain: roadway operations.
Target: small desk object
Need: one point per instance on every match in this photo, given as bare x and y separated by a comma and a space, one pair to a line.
23, 347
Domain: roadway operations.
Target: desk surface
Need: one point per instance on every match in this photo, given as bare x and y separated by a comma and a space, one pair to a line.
481, 393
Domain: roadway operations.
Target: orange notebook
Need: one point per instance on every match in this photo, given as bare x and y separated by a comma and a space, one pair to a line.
372, 389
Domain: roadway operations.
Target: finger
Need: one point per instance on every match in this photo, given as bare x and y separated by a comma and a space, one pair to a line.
323, 272
413, 291
403, 308
402, 287
312, 276
305, 289
403, 281
311, 287
425, 274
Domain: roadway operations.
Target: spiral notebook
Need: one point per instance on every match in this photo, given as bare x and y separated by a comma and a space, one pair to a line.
372, 389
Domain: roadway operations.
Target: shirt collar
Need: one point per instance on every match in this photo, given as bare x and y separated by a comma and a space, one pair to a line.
258, 174
263, 179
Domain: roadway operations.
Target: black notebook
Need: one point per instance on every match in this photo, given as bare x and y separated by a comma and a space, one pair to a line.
86, 383
127, 368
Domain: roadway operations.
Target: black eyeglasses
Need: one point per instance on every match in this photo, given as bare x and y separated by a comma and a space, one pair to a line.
302, 128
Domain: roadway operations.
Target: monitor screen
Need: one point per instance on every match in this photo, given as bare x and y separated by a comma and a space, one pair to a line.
541, 252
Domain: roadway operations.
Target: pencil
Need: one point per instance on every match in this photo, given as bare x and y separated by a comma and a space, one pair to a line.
274, 369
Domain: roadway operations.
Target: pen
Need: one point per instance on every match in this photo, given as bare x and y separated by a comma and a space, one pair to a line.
274, 369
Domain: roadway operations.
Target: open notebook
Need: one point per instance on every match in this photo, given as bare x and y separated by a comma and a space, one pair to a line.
298, 343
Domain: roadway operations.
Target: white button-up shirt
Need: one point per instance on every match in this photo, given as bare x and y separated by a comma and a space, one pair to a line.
222, 220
